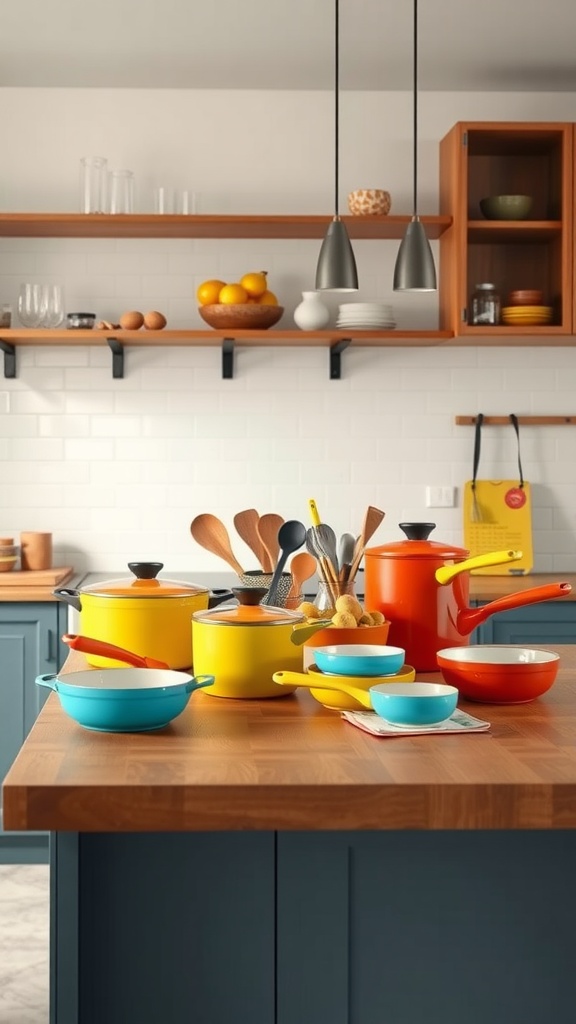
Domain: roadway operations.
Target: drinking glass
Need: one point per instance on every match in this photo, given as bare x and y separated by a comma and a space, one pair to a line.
93, 182
52, 303
30, 310
121, 192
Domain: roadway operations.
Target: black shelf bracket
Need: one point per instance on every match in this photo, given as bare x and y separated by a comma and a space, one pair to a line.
228, 359
117, 350
9, 358
336, 351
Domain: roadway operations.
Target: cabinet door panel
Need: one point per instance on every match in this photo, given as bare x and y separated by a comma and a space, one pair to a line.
551, 622
442, 927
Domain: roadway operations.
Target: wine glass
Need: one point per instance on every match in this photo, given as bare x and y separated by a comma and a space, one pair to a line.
30, 311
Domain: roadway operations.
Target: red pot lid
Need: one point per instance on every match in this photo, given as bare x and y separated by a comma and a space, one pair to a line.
418, 546
143, 584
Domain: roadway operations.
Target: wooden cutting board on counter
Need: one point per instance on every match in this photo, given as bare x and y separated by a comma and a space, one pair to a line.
35, 577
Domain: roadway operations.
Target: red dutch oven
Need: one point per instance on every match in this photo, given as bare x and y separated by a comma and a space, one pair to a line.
422, 587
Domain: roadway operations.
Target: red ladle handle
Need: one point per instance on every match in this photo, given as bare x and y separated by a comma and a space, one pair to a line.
88, 645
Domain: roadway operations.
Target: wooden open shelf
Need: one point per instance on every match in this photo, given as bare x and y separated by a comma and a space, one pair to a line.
513, 231
150, 225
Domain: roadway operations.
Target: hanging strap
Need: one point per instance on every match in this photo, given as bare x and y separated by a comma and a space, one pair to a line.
514, 422
477, 440
477, 443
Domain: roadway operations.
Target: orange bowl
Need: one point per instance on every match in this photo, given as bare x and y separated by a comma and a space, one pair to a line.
243, 316
499, 674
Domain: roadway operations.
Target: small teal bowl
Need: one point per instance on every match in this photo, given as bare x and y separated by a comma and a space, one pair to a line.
359, 659
414, 704
124, 699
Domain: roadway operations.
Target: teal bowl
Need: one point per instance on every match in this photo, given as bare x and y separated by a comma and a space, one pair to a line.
414, 704
359, 659
124, 699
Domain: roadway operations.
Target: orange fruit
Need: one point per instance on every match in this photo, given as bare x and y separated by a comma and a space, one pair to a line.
208, 292
231, 294
268, 299
255, 283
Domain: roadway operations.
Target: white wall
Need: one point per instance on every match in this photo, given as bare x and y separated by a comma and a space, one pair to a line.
117, 469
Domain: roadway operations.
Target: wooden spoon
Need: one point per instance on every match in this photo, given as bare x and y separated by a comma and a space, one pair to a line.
372, 519
268, 527
246, 524
302, 567
210, 533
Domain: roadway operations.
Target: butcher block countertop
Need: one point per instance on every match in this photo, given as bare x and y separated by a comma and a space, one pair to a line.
290, 764
34, 586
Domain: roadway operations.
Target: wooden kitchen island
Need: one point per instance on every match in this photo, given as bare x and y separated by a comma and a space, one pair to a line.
266, 862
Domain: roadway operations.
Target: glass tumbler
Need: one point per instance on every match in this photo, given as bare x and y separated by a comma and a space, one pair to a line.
52, 304
93, 184
121, 192
30, 311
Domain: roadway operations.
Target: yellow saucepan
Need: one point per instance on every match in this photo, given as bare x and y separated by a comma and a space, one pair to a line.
245, 644
339, 693
141, 613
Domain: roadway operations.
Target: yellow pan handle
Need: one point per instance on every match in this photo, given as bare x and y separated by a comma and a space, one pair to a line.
300, 634
302, 679
315, 518
446, 573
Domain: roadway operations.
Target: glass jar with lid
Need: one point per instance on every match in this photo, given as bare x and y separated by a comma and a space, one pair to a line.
485, 305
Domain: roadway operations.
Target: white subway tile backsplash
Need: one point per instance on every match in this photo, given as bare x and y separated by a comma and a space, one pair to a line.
117, 468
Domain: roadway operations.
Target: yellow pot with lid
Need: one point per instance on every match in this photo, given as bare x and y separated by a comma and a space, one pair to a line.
151, 617
246, 643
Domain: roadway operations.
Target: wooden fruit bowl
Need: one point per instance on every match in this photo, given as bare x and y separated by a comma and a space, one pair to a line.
243, 316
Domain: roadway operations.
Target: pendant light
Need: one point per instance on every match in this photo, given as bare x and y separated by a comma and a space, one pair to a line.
336, 268
414, 270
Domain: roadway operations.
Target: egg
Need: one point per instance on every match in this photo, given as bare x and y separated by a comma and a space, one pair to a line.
132, 320
154, 321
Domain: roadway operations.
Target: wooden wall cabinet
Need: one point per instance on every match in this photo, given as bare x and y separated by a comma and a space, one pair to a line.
480, 159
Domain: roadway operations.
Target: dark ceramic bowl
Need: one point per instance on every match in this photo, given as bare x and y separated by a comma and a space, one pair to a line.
506, 207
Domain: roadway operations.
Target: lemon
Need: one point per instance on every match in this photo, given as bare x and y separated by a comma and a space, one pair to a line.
209, 291
268, 299
231, 294
255, 283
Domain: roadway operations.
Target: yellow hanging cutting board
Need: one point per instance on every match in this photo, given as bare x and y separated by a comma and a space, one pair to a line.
500, 517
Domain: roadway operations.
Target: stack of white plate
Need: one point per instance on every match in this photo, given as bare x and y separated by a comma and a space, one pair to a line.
366, 316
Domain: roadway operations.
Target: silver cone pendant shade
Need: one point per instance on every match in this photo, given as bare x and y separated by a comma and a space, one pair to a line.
336, 269
415, 270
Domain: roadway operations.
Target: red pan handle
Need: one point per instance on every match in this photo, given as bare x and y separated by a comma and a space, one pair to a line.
88, 645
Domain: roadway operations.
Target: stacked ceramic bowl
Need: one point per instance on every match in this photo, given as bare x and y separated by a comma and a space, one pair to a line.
525, 309
365, 316
8, 554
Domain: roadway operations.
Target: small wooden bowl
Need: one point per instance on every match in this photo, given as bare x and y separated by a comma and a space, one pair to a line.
243, 316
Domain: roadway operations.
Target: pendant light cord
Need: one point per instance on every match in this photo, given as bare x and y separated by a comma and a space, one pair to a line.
415, 111
336, 104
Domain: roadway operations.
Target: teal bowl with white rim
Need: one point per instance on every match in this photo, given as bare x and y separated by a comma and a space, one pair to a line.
124, 699
414, 704
359, 659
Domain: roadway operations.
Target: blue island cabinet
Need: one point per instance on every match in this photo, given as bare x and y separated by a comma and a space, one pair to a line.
29, 646
550, 622
391, 927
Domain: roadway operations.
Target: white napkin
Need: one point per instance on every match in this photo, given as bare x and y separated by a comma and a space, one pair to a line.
459, 721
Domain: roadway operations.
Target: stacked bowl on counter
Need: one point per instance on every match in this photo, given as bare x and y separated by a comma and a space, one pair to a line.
8, 554
365, 316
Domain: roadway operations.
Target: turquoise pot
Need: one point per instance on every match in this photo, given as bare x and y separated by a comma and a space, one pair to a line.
124, 699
